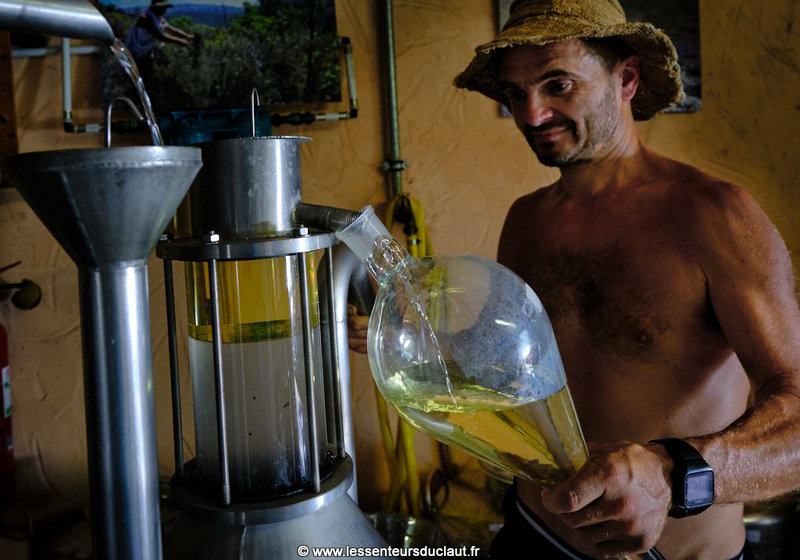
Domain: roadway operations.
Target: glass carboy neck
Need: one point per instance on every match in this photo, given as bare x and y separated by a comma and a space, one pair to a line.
369, 239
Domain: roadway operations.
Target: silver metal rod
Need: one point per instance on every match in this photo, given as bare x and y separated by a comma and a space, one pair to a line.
337, 395
311, 407
120, 416
328, 367
175, 380
219, 385
107, 121
66, 78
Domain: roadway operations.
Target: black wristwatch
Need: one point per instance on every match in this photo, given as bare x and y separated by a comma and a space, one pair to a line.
692, 478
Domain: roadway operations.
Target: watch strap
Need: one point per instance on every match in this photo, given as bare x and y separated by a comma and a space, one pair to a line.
686, 460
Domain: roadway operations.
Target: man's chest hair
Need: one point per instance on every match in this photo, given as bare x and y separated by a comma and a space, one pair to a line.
625, 304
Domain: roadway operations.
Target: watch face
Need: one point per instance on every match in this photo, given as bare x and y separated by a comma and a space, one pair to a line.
699, 489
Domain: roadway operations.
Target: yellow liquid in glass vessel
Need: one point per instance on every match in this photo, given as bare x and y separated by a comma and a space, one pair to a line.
258, 298
264, 375
254, 299
537, 440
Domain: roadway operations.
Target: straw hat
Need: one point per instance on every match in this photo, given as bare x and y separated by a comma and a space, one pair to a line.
537, 22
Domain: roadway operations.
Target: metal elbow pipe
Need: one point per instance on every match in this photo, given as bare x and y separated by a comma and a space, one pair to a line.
347, 270
345, 266
323, 217
77, 19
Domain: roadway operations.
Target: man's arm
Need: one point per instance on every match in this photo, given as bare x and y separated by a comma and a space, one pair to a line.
175, 34
751, 286
164, 31
621, 497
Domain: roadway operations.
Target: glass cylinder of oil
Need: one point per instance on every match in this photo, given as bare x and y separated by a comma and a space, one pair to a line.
247, 191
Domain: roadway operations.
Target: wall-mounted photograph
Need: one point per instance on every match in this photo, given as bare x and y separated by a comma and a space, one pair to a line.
196, 54
680, 19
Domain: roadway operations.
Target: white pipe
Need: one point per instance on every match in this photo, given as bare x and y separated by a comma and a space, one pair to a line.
52, 51
66, 88
66, 79
351, 76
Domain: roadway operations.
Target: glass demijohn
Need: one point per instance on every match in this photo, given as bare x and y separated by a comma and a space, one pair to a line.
462, 348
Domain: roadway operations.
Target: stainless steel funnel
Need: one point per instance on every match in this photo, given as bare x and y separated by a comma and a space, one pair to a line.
107, 208
77, 19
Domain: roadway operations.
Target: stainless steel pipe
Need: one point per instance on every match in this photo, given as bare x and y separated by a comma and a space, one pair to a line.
323, 217
219, 385
345, 262
107, 208
174, 374
77, 19
120, 417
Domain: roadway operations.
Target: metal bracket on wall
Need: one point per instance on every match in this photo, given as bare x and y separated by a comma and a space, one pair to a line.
66, 51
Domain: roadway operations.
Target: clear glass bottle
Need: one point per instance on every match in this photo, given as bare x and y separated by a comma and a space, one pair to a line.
462, 348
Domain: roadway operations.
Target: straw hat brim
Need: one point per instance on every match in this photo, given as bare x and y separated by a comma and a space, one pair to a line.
660, 75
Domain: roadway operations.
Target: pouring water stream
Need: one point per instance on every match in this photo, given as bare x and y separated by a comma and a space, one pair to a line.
125, 59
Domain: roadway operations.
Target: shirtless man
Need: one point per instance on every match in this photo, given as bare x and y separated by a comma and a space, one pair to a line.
670, 293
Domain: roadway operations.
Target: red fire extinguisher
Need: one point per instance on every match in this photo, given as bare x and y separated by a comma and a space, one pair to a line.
25, 295
6, 441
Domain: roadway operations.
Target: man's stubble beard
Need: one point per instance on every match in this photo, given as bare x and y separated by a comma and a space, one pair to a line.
600, 128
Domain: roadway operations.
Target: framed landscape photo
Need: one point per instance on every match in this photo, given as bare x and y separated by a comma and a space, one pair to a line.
199, 54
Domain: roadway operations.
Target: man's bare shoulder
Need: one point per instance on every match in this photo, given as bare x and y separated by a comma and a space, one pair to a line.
717, 217
701, 196
518, 218
528, 203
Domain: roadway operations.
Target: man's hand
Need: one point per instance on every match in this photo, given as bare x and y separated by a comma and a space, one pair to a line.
356, 330
618, 502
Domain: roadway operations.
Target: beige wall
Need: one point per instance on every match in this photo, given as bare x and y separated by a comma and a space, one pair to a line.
466, 165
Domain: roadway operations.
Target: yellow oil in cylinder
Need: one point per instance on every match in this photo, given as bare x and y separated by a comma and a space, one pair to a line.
254, 299
263, 372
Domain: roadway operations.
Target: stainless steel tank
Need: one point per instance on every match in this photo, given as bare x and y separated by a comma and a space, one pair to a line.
272, 470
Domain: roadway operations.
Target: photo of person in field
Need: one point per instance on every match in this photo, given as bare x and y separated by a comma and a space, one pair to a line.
196, 54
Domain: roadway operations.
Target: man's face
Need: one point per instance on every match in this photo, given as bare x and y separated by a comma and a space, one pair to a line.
563, 99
